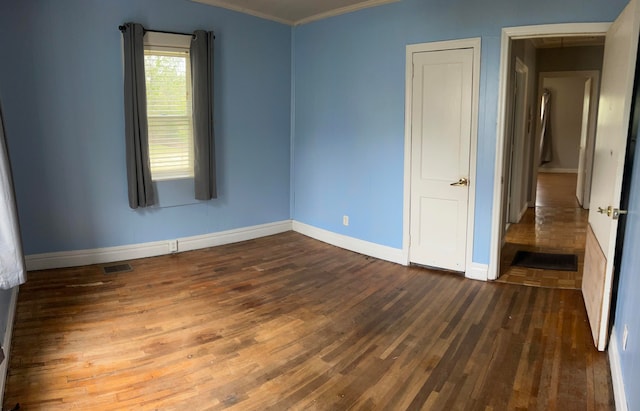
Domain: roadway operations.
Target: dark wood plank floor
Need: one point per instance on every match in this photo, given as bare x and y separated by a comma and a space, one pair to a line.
286, 322
556, 225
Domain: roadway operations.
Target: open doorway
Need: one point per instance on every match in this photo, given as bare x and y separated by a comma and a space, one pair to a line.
550, 123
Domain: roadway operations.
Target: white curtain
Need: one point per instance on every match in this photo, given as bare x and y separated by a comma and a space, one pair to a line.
12, 272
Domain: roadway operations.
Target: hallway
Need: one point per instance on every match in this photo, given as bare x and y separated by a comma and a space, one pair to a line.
556, 225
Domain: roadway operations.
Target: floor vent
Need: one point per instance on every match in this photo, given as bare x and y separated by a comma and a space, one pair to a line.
117, 268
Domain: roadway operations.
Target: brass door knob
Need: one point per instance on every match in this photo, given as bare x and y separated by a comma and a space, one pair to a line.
462, 182
608, 211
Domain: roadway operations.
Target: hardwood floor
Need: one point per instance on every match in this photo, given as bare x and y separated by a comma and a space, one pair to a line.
287, 322
557, 190
556, 225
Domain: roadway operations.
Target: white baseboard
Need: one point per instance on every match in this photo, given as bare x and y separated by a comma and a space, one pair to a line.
477, 271
558, 170
616, 373
383, 252
232, 236
524, 210
151, 249
6, 344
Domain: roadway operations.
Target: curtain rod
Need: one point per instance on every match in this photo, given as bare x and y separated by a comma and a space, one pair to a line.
123, 28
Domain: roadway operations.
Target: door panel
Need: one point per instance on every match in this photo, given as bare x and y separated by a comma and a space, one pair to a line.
517, 184
594, 265
440, 142
611, 137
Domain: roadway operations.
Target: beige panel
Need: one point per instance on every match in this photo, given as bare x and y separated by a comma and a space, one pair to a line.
593, 282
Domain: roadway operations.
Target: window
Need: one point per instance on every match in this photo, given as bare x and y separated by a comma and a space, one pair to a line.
179, 113
169, 104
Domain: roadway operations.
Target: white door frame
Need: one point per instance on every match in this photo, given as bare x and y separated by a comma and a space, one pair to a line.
471, 43
516, 195
508, 34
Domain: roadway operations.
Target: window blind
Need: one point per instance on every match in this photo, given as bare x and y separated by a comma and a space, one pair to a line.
169, 101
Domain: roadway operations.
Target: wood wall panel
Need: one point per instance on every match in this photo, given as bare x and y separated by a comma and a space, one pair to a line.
593, 282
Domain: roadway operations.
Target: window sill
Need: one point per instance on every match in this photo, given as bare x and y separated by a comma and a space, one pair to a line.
175, 192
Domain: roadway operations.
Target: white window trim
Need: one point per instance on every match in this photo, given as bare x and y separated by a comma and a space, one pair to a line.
171, 42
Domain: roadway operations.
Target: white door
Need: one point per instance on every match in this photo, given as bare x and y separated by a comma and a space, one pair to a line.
441, 117
582, 149
611, 138
517, 184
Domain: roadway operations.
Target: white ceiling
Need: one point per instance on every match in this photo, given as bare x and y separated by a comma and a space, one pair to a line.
295, 12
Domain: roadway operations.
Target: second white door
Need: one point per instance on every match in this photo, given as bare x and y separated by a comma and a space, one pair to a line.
616, 96
441, 122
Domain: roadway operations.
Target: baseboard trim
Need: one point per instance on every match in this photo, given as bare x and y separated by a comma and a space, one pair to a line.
129, 252
477, 271
6, 344
616, 373
383, 252
523, 211
558, 170
233, 236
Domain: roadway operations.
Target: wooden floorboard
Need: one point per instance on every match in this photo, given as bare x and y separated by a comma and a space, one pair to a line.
556, 225
289, 323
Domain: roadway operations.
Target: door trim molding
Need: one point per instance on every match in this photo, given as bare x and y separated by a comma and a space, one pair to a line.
516, 209
508, 34
615, 363
470, 43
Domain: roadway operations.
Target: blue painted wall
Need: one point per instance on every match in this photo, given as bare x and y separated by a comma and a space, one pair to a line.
628, 305
61, 89
349, 106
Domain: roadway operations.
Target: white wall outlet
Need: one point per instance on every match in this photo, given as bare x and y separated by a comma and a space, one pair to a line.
345, 220
173, 246
625, 337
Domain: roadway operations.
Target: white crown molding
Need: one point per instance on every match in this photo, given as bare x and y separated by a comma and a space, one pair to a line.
244, 10
129, 252
344, 10
336, 12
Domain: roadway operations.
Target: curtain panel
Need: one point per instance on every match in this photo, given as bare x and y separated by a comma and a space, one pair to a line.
203, 136
12, 268
546, 155
140, 184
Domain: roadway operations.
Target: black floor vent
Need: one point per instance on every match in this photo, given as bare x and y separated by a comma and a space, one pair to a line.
117, 268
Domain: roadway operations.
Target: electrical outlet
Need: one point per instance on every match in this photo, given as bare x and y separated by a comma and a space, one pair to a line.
625, 337
345, 220
173, 246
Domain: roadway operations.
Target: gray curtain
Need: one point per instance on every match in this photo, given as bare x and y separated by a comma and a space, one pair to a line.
12, 268
546, 155
139, 181
203, 138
